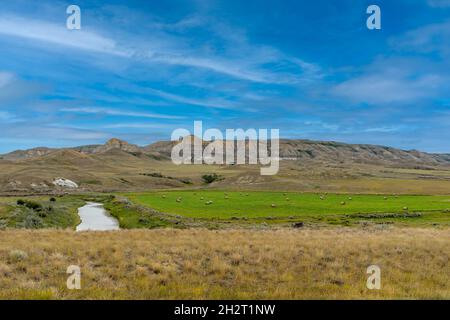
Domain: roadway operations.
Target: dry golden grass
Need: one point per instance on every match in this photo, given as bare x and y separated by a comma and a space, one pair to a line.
231, 264
123, 172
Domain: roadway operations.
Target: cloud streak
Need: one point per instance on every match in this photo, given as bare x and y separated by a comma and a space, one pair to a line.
113, 112
426, 39
439, 3
5, 78
42, 31
166, 49
385, 87
191, 101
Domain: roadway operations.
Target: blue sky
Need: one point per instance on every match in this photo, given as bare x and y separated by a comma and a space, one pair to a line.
139, 69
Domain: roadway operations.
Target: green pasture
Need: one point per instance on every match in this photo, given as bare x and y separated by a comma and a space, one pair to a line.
226, 205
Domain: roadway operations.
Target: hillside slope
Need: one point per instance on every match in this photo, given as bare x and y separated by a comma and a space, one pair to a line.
306, 165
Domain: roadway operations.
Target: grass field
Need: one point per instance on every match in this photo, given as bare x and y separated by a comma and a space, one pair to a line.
259, 204
284, 205
217, 209
226, 264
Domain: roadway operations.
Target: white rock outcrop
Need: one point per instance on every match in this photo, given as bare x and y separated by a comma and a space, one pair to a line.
65, 183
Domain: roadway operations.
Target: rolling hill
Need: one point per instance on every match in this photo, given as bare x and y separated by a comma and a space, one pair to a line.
305, 165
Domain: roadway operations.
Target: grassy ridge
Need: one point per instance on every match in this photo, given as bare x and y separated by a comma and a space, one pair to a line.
231, 264
131, 217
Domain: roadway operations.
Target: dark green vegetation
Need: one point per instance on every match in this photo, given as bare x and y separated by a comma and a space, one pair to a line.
39, 212
161, 176
210, 178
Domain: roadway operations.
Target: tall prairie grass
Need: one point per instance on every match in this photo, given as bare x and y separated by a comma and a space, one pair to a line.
226, 264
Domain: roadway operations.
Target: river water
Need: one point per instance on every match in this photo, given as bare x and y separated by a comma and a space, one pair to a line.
94, 217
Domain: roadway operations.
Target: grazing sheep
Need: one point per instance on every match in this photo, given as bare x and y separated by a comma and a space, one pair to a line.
349, 198
273, 205
385, 198
179, 199
342, 203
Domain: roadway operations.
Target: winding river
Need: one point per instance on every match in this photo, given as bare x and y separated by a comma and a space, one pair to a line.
95, 218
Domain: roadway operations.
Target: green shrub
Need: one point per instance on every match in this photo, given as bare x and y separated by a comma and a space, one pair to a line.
155, 175
210, 178
20, 202
42, 214
186, 181
52, 199
33, 205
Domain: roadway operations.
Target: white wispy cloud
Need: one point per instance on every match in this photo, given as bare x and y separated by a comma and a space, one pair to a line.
5, 78
385, 129
430, 38
382, 88
113, 112
215, 103
231, 68
6, 116
243, 61
41, 132
401, 78
58, 34
320, 125
138, 126
439, 3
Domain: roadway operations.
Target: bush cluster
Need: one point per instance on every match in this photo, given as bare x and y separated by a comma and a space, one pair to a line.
36, 206
210, 178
